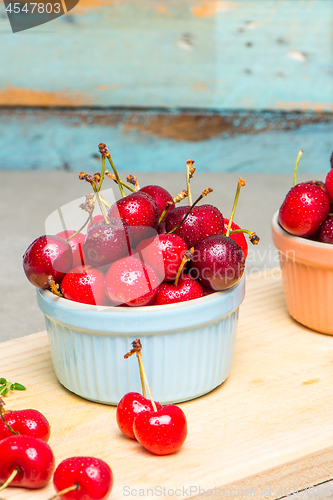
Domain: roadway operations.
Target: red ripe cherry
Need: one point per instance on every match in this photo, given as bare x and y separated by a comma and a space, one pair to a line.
186, 289
218, 262
237, 237
139, 210
329, 185
84, 284
96, 218
161, 432
161, 196
325, 233
76, 245
26, 422
31, 457
129, 408
106, 243
164, 253
304, 209
47, 256
91, 478
129, 281
203, 221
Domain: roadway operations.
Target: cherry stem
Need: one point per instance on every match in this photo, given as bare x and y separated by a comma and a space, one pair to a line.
54, 287
189, 174
10, 479
300, 152
79, 230
240, 184
180, 196
101, 205
114, 178
187, 256
102, 174
117, 176
9, 427
66, 490
204, 193
134, 181
137, 349
254, 238
141, 375
145, 379
164, 211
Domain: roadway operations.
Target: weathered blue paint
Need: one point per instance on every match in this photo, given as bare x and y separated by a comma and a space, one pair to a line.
142, 141
214, 54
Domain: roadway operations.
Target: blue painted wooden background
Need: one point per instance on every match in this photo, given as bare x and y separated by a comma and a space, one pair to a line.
150, 64
215, 54
145, 141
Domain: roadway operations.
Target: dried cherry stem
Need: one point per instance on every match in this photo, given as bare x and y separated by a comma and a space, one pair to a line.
180, 196
189, 174
113, 177
136, 347
9, 427
54, 287
134, 181
240, 184
66, 490
203, 194
300, 152
187, 256
10, 479
254, 238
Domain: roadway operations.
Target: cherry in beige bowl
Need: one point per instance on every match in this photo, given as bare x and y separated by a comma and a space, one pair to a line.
307, 275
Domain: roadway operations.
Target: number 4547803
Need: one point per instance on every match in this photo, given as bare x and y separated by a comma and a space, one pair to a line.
32, 7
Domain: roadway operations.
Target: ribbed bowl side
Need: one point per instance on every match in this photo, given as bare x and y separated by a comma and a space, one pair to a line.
309, 294
181, 365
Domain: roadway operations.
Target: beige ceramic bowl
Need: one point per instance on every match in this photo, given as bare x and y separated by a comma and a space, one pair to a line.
307, 274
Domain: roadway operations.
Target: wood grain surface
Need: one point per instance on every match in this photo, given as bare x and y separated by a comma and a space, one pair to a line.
208, 54
265, 432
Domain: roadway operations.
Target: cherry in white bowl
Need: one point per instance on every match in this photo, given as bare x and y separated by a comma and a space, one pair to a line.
188, 346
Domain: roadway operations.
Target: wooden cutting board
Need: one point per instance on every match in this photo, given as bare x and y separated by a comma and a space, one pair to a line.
267, 431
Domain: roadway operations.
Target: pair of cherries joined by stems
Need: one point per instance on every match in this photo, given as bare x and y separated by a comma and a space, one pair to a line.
26, 459
160, 429
142, 244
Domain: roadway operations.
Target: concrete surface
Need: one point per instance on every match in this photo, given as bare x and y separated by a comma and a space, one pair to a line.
30, 197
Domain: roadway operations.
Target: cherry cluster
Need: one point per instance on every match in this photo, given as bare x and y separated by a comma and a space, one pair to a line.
27, 460
307, 210
142, 250
160, 429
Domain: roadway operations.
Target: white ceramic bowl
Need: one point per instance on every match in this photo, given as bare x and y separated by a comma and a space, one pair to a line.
187, 348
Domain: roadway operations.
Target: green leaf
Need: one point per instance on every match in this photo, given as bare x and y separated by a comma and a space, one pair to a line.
3, 381
5, 392
11, 387
19, 387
